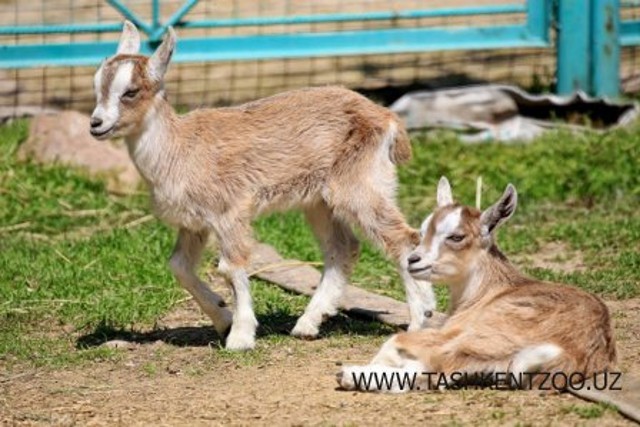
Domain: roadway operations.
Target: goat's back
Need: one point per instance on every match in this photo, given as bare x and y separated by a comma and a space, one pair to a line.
286, 149
307, 128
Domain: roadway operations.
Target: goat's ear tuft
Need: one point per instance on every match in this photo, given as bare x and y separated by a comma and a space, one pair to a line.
499, 212
444, 196
160, 59
129, 40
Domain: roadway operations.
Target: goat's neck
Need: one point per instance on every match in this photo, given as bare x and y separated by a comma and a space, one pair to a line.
153, 148
490, 272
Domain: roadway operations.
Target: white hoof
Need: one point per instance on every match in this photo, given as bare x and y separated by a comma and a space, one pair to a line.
345, 378
243, 334
240, 341
305, 329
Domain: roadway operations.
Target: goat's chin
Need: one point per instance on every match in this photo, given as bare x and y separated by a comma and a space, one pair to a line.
432, 275
422, 275
101, 136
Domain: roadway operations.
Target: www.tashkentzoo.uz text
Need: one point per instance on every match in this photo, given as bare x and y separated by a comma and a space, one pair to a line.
545, 381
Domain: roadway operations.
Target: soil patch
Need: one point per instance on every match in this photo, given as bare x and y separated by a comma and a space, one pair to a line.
283, 382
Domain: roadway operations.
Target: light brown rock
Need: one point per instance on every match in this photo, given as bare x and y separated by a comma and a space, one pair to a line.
64, 138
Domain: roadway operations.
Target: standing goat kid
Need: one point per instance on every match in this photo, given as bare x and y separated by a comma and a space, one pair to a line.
502, 323
328, 151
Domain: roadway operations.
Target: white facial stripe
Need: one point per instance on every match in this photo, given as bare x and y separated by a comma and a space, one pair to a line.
97, 84
108, 109
449, 223
120, 83
444, 228
425, 225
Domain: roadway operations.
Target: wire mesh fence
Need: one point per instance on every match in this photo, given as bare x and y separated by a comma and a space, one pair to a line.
223, 83
630, 56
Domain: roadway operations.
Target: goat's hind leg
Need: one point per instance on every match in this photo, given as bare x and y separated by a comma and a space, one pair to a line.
378, 216
183, 262
340, 249
234, 239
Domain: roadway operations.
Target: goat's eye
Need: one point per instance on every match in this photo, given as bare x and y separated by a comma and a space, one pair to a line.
457, 238
130, 94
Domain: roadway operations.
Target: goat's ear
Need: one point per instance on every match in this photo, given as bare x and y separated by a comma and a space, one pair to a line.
500, 212
159, 61
444, 195
129, 40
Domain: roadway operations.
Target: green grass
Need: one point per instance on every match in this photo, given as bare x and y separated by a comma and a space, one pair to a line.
73, 257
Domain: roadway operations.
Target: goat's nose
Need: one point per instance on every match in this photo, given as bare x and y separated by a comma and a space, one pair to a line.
413, 258
95, 122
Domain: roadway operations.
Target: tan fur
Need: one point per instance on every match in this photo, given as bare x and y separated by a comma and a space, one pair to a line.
510, 314
496, 312
276, 154
328, 151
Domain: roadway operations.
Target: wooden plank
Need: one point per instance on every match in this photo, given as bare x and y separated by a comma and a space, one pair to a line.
299, 277
626, 399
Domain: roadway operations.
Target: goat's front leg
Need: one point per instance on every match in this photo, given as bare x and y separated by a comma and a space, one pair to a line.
235, 244
373, 209
420, 299
420, 296
390, 371
183, 263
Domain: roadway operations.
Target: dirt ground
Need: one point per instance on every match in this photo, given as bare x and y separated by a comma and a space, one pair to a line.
180, 380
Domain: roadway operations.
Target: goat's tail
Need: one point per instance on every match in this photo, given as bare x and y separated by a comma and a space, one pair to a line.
398, 142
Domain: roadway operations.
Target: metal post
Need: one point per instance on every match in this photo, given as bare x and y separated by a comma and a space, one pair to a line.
574, 46
588, 50
538, 17
606, 48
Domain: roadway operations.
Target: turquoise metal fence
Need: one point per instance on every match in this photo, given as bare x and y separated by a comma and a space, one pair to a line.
532, 33
589, 34
588, 48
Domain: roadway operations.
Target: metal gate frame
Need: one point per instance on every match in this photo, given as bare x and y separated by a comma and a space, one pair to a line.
589, 35
533, 33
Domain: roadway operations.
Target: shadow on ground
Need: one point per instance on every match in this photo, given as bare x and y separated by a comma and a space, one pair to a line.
274, 323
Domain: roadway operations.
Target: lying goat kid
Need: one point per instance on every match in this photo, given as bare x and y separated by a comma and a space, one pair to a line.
500, 320
328, 151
